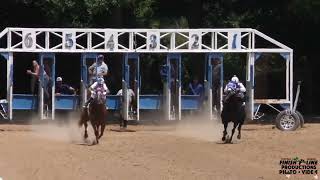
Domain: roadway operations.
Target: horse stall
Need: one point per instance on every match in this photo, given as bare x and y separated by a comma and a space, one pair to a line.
193, 70
151, 87
66, 102
213, 83
113, 102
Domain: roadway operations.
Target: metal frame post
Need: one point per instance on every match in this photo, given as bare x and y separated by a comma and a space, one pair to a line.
84, 75
41, 93
10, 84
167, 91
208, 84
250, 85
137, 82
42, 84
221, 81
125, 80
84, 79
126, 83
53, 87
291, 80
167, 87
288, 58
179, 87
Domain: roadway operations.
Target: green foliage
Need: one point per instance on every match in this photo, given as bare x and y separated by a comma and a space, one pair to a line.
76, 13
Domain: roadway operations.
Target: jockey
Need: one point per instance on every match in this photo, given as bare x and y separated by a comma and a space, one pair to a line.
98, 85
235, 85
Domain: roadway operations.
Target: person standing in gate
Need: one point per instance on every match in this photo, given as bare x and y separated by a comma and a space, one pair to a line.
98, 69
34, 76
131, 99
216, 84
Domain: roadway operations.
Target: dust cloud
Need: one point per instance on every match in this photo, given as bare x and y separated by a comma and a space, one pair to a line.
64, 129
200, 127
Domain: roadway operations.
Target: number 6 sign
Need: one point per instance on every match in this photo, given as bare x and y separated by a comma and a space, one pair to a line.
28, 40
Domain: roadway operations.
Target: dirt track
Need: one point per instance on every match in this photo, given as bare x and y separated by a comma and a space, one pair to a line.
51, 152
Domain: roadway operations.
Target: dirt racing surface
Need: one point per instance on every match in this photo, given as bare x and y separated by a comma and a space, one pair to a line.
184, 151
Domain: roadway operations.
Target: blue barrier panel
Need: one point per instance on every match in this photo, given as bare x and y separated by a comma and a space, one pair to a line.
113, 102
190, 102
66, 102
149, 102
24, 102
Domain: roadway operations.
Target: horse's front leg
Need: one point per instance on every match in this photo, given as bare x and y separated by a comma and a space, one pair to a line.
102, 127
96, 132
85, 130
239, 131
233, 130
225, 125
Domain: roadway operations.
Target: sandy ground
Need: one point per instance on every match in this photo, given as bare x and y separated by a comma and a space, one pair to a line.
189, 150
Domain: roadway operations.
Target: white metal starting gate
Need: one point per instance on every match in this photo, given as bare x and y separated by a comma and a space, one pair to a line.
211, 41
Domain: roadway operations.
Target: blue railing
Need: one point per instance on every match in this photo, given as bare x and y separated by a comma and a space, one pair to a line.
71, 102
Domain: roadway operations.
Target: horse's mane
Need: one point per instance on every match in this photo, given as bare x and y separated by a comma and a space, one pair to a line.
231, 100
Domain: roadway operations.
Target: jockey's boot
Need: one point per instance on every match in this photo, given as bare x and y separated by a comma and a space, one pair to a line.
87, 103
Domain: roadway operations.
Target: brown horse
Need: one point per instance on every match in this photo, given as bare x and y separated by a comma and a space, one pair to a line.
96, 113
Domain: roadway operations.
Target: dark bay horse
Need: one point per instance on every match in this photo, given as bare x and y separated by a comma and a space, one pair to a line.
96, 113
233, 111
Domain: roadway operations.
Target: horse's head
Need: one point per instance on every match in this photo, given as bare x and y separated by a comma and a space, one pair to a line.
230, 95
100, 97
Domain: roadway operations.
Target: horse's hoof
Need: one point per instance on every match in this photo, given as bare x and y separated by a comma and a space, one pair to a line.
223, 138
239, 136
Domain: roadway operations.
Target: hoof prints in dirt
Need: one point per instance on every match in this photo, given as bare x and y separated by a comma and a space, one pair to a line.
122, 130
87, 143
15, 130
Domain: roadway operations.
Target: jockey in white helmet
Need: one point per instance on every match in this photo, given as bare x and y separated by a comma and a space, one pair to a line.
236, 86
98, 85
